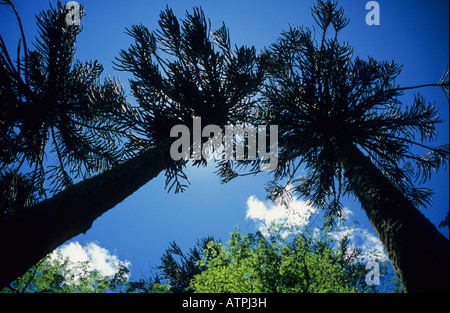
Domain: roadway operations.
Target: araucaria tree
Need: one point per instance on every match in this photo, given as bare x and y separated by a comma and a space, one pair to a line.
73, 148
182, 70
340, 120
59, 122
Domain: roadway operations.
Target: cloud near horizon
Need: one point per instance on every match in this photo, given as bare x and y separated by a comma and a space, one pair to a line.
98, 258
299, 214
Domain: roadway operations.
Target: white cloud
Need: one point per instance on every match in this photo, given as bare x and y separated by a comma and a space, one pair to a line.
98, 258
299, 213
370, 245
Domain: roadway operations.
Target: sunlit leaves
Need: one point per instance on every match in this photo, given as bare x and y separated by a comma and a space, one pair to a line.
302, 263
61, 275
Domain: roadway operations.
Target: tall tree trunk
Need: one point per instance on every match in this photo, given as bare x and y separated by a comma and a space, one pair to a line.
418, 251
28, 237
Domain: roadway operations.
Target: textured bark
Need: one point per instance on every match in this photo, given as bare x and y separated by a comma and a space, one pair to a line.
28, 237
418, 251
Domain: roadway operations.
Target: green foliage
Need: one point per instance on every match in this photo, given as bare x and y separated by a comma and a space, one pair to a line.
55, 274
248, 263
143, 286
305, 263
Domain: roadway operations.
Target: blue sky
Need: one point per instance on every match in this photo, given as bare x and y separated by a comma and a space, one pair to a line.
412, 33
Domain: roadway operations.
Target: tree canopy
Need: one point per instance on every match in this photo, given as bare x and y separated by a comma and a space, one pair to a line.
288, 260
59, 121
300, 264
344, 131
316, 90
341, 121
58, 274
